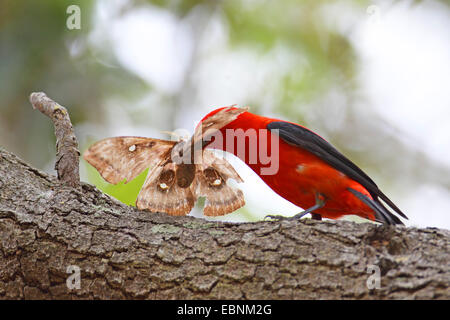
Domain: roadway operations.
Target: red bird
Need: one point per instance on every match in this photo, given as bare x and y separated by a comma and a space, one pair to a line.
311, 173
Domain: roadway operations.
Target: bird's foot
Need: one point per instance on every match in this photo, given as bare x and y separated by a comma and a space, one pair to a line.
298, 216
279, 217
320, 202
275, 217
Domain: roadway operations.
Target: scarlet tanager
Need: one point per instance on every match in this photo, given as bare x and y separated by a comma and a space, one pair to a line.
311, 173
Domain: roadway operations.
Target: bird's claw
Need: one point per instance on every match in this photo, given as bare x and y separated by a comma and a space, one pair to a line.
274, 217
298, 216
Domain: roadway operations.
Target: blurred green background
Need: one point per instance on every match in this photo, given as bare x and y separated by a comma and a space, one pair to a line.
371, 77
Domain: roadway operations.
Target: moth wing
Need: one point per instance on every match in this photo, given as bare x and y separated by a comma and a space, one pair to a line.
122, 158
211, 182
161, 192
225, 168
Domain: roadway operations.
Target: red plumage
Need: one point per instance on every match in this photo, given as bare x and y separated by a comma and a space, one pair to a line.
310, 169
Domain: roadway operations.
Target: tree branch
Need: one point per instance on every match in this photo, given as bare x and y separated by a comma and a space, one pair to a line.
47, 231
126, 253
67, 154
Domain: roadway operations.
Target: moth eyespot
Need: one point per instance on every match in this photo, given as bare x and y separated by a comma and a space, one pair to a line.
163, 186
132, 148
213, 177
166, 180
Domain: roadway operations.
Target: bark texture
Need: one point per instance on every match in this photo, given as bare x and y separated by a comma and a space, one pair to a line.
67, 154
46, 227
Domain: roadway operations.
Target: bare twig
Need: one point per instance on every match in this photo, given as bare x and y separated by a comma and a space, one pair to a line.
67, 154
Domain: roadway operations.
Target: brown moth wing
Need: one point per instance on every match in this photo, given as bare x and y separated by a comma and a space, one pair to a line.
226, 169
210, 125
162, 192
211, 181
122, 158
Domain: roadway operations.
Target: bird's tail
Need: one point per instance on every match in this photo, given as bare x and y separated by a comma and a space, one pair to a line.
382, 214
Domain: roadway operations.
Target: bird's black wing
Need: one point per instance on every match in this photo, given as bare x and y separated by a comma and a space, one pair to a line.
306, 139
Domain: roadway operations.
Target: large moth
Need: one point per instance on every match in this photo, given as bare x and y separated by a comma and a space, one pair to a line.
171, 186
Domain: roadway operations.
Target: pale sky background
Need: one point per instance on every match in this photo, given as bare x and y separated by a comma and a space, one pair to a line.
406, 83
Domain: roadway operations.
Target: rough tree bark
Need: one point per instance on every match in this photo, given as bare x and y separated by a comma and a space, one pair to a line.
46, 226
51, 227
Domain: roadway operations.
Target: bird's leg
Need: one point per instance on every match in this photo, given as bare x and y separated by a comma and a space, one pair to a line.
320, 202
